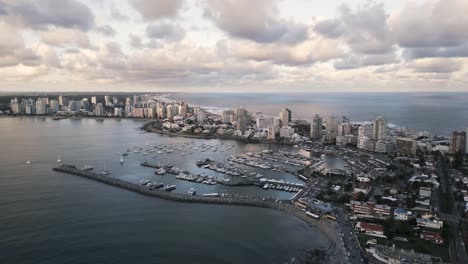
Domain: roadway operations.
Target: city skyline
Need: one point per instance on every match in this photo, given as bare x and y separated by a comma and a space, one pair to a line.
233, 46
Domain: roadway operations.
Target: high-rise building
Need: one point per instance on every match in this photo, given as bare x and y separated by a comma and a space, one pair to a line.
285, 115
54, 106
466, 146
458, 143
115, 100
331, 129
405, 146
183, 109
365, 139
169, 112
15, 106
227, 117
29, 106
380, 128
63, 101
85, 104
94, 100
118, 112
240, 113
99, 110
161, 111
316, 127
107, 100
41, 108
344, 129
74, 105
271, 132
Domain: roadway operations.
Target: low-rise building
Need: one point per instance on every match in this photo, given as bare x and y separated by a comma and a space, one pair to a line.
370, 229
430, 223
434, 237
401, 214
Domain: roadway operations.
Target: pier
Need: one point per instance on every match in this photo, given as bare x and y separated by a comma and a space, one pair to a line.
328, 228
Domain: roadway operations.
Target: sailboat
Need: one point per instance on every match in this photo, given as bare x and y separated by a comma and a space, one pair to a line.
105, 172
59, 159
121, 160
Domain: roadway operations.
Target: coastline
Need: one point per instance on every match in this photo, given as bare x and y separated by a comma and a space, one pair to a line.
150, 129
334, 253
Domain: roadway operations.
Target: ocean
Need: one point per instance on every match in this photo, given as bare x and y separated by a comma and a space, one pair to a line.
438, 113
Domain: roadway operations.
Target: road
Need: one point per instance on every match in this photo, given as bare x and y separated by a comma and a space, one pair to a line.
457, 246
348, 236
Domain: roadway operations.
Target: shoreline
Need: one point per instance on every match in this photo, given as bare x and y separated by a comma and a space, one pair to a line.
148, 128
333, 252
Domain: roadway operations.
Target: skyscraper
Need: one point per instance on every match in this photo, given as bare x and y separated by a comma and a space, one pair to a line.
63, 101
107, 100
380, 128
458, 142
285, 116
54, 106
331, 129
94, 100
40, 107
316, 127
99, 110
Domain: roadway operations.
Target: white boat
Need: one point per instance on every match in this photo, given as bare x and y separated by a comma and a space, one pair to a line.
87, 168
28, 162
121, 160
192, 192
105, 172
59, 159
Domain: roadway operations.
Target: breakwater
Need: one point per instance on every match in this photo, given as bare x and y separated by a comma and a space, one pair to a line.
335, 253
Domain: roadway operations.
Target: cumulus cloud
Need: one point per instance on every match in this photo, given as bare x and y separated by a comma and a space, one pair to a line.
165, 31
307, 52
153, 10
364, 30
42, 14
359, 61
13, 50
62, 37
431, 23
254, 20
106, 30
435, 65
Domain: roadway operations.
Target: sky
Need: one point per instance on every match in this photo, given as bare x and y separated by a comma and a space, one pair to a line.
234, 45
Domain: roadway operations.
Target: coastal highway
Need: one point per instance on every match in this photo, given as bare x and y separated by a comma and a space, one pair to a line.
457, 246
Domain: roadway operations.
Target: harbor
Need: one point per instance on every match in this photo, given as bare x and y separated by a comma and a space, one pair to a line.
327, 228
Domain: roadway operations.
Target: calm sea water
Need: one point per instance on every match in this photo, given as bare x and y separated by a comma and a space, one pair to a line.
50, 217
439, 113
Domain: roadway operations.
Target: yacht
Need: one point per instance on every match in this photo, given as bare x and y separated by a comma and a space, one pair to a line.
59, 159
28, 162
169, 188
87, 168
121, 160
192, 192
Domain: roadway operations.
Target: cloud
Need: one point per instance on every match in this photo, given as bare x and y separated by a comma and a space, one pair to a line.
106, 30
307, 52
13, 50
364, 30
258, 21
441, 23
42, 14
359, 61
63, 37
435, 65
165, 31
154, 10
430, 52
